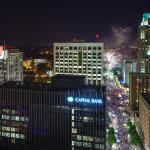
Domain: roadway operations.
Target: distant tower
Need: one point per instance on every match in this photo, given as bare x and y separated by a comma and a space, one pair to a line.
144, 42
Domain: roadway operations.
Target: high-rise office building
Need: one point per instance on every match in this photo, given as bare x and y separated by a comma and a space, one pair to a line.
80, 59
57, 116
144, 42
139, 83
144, 119
11, 65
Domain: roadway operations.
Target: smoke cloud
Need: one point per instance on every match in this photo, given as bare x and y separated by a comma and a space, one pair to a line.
119, 37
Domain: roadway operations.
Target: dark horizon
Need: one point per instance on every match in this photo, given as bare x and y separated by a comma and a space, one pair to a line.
43, 23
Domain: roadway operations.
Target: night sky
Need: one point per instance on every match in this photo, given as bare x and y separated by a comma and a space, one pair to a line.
36, 23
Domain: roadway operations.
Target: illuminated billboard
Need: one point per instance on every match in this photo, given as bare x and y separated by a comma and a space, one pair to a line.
85, 100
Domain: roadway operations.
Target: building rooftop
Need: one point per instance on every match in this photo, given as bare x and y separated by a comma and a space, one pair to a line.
58, 83
13, 50
146, 15
139, 73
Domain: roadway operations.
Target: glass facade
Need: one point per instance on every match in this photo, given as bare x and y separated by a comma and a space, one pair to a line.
144, 42
41, 117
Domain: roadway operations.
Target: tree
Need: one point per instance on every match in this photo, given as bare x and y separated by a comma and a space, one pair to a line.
135, 140
111, 139
111, 131
111, 136
134, 137
132, 130
41, 72
42, 68
129, 123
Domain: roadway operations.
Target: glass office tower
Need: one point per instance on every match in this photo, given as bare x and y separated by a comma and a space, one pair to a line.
144, 43
60, 116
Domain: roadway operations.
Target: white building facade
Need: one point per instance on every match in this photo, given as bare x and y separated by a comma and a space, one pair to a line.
11, 65
80, 59
129, 66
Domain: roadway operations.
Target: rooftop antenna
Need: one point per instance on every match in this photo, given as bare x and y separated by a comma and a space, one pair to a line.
97, 38
4, 45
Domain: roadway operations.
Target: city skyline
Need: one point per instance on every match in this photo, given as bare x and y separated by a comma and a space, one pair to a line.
47, 22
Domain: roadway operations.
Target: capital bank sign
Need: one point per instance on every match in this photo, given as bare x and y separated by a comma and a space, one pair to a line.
85, 100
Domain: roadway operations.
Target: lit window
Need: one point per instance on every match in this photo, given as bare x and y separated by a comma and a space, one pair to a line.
72, 111
72, 124
17, 136
85, 144
101, 146
17, 118
13, 141
76, 143
6, 110
21, 118
87, 119
22, 136
96, 146
6, 134
5, 117
96, 139
74, 130
8, 129
13, 112
13, 135
79, 137
72, 117
87, 138
12, 129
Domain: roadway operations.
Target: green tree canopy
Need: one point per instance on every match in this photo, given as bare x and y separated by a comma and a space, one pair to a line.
111, 131
111, 139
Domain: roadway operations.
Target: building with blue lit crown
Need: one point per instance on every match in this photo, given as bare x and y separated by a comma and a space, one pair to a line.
144, 44
64, 115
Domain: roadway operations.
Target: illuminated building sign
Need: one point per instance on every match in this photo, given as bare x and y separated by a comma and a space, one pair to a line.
85, 100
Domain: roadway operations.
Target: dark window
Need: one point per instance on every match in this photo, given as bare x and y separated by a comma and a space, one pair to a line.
89, 48
80, 58
99, 48
79, 48
94, 48
80, 70
75, 48
57, 47
84, 48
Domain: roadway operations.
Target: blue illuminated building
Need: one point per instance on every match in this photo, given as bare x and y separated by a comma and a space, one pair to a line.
64, 115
